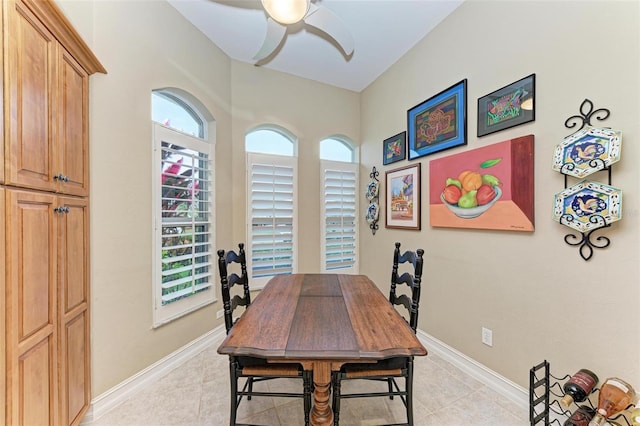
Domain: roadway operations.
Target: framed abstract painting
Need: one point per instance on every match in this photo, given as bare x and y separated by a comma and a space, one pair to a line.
394, 148
507, 107
438, 123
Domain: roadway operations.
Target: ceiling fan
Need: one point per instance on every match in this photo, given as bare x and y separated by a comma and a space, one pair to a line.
287, 12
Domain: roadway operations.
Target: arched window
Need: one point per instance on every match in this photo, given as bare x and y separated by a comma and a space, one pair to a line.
183, 197
336, 149
270, 140
339, 227
272, 203
170, 110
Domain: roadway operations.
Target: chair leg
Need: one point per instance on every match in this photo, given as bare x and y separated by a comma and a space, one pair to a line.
233, 375
250, 381
336, 378
409, 388
307, 386
390, 384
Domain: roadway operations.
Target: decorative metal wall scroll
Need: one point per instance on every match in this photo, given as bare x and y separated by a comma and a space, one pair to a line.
587, 206
372, 194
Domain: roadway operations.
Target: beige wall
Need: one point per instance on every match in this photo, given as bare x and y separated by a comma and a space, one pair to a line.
312, 111
541, 300
132, 41
514, 283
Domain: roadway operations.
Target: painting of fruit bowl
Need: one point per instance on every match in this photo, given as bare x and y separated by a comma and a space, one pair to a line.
588, 205
490, 187
471, 212
587, 151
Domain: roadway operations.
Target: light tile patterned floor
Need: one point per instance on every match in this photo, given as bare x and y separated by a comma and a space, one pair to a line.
198, 394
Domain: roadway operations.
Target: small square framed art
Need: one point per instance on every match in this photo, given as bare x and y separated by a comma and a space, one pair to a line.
438, 123
394, 148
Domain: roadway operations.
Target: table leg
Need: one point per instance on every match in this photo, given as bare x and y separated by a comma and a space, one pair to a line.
321, 413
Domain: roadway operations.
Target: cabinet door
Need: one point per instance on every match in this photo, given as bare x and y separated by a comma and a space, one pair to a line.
31, 317
73, 285
3, 298
73, 138
31, 91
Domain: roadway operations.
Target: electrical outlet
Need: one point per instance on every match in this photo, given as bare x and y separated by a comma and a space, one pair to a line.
487, 336
220, 314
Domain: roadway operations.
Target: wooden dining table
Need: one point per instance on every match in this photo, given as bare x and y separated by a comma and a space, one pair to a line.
321, 321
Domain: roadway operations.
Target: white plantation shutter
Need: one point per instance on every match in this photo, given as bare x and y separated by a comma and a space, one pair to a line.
182, 224
340, 206
272, 222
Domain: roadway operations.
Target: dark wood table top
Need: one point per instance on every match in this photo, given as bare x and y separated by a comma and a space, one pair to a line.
321, 317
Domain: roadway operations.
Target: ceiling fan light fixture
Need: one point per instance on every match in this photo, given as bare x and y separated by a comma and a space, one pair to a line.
286, 11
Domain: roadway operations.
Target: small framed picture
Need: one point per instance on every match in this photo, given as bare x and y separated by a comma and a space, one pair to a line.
402, 201
438, 123
507, 107
394, 148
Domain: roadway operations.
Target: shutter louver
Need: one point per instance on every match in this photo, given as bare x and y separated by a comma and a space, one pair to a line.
186, 230
272, 219
340, 204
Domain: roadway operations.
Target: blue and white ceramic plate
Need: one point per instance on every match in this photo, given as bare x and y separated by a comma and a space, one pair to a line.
588, 205
372, 212
372, 190
587, 151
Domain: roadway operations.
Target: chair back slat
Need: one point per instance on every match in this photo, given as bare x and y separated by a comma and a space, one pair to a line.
403, 300
412, 279
406, 278
228, 280
238, 301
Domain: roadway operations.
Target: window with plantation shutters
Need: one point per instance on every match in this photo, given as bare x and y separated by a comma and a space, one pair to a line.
272, 216
183, 216
339, 210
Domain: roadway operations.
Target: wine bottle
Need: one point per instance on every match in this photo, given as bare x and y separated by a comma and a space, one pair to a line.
615, 396
578, 387
635, 416
580, 417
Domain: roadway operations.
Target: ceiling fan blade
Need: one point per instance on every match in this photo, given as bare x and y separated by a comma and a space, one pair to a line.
331, 24
275, 35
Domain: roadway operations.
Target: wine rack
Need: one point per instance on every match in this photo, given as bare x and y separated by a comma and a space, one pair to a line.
545, 390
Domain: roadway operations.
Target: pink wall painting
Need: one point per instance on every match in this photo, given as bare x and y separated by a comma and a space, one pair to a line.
484, 188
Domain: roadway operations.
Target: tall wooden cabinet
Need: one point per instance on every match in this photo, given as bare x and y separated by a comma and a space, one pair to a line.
44, 217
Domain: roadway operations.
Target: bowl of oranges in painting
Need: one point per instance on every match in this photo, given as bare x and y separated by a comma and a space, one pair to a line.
471, 193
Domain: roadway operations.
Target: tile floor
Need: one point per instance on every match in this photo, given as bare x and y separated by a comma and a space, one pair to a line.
197, 394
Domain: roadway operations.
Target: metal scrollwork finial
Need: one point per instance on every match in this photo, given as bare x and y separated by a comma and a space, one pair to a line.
374, 173
586, 112
586, 243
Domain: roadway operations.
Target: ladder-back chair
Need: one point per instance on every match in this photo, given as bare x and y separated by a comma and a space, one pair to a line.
252, 368
388, 370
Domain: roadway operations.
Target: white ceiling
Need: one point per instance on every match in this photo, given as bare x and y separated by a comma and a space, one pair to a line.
383, 31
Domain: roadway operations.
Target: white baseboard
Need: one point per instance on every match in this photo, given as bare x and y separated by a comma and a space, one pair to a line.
121, 392
490, 378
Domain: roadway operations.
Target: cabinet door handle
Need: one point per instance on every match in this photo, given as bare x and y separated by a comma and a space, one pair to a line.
61, 209
61, 177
